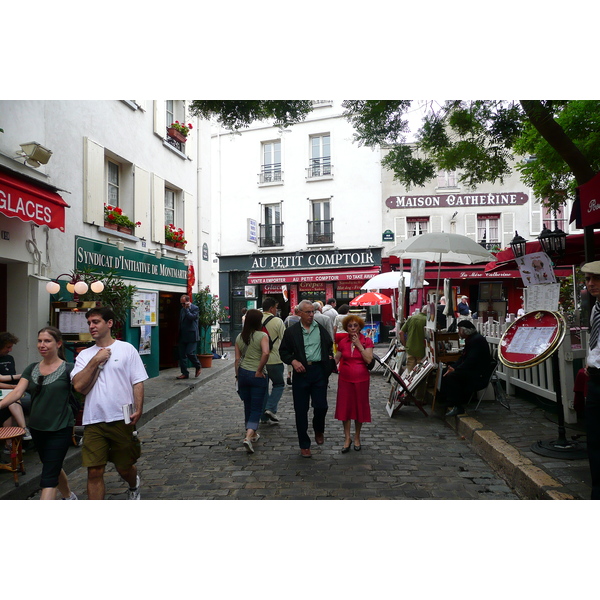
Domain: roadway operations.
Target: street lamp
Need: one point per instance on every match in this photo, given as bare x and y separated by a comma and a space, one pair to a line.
518, 245
554, 243
75, 285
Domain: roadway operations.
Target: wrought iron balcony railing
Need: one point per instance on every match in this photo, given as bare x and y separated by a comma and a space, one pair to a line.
319, 167
270, 235
320, 232
271, 174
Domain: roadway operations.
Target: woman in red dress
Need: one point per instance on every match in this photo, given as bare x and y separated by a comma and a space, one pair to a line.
354, 353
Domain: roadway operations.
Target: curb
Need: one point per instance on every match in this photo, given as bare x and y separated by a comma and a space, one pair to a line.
29, 483
526, 479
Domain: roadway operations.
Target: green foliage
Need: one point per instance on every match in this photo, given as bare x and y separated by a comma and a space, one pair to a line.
235, 114
549, 175
211, 309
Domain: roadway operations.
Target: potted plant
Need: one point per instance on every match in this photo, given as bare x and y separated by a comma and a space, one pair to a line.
174, 236
211, 312
179, 131
115, 219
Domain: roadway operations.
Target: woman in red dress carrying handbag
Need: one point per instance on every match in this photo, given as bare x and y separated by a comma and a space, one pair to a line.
354, 353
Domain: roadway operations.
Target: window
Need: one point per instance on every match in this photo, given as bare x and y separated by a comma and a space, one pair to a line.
320, 156
271, 162
169, 207
320, 228
113, 177
417, 226
271, 230
488, 230
446, 179
555, 218
170, 112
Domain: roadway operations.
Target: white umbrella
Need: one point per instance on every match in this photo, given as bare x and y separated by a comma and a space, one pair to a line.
387, 281
438, 247
450, 247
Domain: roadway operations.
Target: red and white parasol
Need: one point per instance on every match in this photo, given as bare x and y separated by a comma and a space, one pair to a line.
371, 299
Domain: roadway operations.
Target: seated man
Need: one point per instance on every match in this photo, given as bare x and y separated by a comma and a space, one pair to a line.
468, 373
12, 416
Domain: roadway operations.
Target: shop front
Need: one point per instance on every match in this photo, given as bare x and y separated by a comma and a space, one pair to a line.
292, 277
153, 323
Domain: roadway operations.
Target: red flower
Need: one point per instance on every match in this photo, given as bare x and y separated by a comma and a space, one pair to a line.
112, 217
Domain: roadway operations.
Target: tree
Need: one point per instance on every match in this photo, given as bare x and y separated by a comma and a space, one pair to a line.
235, 114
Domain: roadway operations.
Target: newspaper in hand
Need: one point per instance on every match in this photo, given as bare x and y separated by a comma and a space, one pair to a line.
127, 412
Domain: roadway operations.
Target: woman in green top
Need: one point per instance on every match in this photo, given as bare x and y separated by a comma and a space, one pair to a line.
251, 355
51, 419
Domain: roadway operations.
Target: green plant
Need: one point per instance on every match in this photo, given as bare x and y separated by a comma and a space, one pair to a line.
173, 234
182, 127
211, 309
114, 214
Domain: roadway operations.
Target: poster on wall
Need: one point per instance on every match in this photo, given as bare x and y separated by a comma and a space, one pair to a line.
145, 339
144, 309
536, 268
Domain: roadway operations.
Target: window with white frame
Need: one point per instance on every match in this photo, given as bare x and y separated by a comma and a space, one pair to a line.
417, 226
271, 162
320, 227
488, 229
170, 117
169, 207
113, 182
320, 155
271, 229
555, 218
446, 179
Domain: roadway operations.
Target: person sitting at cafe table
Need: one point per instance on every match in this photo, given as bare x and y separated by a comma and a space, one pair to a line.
468, 373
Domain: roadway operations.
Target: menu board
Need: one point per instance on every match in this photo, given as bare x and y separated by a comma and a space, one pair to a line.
144, 310
531, 339
72, 322
542, 297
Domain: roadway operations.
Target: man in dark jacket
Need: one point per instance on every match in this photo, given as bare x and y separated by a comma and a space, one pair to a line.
308, 347
468, 373
188, 337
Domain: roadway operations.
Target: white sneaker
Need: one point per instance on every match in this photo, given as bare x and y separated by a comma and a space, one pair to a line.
255, 438
248, 446
27, 435
272, 416
72, 497
134, 494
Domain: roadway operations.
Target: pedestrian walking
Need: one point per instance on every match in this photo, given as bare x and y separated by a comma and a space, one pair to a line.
111, 375
307, 346
51, 419
354, 353
251, 355
323, 320
591, 273
290, 320
188, 337
275, 367
412, 337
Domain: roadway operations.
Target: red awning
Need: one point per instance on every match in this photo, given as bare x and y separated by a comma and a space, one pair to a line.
29, 202
359, 274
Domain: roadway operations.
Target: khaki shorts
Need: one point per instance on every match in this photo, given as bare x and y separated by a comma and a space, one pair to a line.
114, 442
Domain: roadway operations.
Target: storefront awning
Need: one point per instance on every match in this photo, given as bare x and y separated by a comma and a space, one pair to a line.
29, 202
310, 276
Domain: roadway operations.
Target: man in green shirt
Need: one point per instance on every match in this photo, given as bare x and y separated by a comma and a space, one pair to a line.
308, 347
412, 336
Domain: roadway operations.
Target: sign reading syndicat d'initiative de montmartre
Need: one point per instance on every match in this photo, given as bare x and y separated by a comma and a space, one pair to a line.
129, 264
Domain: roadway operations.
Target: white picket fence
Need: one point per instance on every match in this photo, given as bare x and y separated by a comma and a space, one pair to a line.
539, 379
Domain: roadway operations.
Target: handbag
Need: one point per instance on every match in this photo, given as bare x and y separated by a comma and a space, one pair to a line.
371, 364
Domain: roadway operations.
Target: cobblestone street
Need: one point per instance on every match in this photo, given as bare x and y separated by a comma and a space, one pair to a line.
193, 451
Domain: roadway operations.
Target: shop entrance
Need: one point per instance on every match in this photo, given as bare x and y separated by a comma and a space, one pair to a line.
168, 329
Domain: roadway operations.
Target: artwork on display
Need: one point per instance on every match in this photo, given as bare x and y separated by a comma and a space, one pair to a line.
144, 309
145, 339
536, 268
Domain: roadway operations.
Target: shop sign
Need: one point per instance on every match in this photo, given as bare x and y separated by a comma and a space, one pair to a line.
454, 200
127, 263
589, 197
252, 233
312, 260
349, 286
311, 286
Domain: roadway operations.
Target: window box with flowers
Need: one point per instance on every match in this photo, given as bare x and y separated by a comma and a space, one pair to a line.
179, 131
115, 219
174, 237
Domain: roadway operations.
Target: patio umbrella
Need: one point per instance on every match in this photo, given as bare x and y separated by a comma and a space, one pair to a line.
438, 247
370, 299
387, 281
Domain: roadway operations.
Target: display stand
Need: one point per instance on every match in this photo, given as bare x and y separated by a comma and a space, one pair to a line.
529, 341
441, 347
404, 385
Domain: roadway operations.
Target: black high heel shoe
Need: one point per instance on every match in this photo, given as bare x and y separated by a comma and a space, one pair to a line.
357, 448
346, 448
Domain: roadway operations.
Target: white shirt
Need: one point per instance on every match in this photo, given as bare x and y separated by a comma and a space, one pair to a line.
114, 386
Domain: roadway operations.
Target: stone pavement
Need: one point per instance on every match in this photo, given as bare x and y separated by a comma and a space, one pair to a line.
193, 451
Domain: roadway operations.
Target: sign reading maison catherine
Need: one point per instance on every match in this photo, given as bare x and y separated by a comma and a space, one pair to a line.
129, 264
454, 200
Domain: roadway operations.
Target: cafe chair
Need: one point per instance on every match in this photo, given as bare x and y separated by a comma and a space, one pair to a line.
15, 435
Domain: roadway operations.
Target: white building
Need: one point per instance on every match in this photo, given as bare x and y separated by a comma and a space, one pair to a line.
299, 211
102, 152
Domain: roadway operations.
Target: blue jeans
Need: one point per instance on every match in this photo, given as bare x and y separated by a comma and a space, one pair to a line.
187, 350
251, 390
310, 388
271, 401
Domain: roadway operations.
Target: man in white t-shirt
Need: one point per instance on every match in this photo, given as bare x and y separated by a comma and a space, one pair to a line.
110, 374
